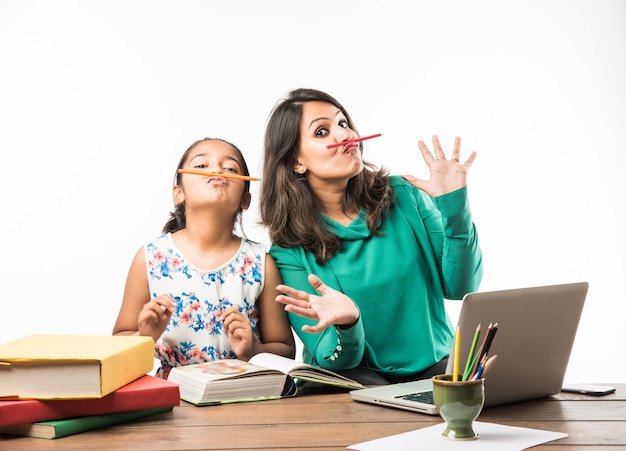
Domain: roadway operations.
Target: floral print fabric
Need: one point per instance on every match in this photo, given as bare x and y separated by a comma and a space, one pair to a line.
194, 335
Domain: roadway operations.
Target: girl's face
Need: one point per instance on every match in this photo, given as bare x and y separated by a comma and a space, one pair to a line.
323, 124
199, 190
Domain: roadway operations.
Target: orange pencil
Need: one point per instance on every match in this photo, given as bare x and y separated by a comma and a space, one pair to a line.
215, 174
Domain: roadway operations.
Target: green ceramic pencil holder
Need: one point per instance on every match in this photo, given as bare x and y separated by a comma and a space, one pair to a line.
459, 404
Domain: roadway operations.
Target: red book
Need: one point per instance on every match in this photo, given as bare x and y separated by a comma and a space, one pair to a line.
147, 392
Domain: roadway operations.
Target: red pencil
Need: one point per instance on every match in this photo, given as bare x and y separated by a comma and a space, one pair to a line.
356, 140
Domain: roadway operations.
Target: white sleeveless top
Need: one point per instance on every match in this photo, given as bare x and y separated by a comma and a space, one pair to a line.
193, 334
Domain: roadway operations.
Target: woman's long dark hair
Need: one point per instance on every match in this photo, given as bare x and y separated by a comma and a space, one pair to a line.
288, 207
178, 219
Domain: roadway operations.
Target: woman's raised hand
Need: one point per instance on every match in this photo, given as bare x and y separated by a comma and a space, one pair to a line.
445, 175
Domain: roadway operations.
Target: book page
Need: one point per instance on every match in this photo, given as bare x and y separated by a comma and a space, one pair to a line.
304, 371
215, 370
276, 362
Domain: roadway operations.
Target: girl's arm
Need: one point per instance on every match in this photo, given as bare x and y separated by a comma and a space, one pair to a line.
274, 328
139, 315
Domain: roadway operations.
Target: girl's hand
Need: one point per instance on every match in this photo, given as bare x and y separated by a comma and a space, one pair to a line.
155, 315
445, 175
332, 307
239, 330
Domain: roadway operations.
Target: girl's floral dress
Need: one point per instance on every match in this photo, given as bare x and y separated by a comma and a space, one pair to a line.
193, 334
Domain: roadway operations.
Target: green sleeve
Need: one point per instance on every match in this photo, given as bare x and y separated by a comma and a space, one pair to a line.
461, 256
334, 348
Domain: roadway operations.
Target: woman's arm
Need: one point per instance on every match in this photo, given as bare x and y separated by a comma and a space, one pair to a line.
450, 227
332, 346
461, 258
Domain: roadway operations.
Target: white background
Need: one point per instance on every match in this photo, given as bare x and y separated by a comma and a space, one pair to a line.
98, 100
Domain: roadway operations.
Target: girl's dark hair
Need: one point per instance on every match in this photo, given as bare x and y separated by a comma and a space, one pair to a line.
288, 207
178, 219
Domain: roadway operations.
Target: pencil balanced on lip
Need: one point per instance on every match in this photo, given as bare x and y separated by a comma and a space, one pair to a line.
255, 179
355, 140
216, 174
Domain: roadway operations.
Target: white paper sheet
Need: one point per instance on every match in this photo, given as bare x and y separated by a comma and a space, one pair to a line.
493, 436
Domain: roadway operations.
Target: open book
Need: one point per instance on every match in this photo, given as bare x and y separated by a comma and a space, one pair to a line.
265, 376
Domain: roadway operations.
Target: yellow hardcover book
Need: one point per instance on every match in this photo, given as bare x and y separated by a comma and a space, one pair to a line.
72, 366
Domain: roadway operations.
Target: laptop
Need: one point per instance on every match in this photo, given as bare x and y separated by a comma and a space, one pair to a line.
535, 335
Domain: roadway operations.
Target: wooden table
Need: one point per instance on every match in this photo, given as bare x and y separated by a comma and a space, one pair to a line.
332, 421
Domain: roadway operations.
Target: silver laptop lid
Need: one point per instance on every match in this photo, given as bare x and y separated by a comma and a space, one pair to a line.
536, 332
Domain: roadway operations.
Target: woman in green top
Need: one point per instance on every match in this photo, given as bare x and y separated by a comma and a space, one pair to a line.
366, 258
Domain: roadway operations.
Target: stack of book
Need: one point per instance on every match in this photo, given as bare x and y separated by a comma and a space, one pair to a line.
52, 386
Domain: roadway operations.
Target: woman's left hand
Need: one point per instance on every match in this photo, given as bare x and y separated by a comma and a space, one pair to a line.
331, 308
445, 175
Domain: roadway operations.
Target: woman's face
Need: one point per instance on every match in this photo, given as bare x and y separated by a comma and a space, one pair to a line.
321, 125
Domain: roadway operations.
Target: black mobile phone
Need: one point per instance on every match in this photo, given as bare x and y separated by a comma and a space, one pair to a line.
588, 389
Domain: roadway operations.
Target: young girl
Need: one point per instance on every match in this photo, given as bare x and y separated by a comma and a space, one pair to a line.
199, 290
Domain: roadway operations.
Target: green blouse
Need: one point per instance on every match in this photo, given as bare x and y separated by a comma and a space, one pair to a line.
428, 251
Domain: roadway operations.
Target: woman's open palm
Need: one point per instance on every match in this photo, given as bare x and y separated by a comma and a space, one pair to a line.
446, 176
331, 307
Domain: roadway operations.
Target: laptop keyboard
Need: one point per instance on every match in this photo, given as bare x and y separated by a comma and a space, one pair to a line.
424, 396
